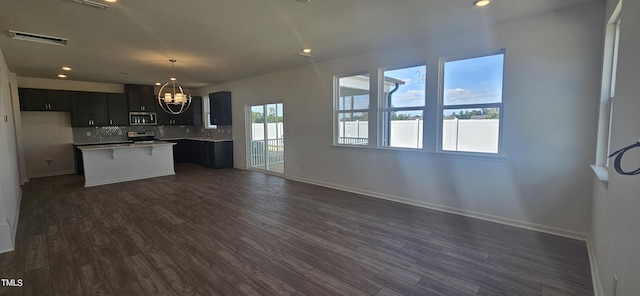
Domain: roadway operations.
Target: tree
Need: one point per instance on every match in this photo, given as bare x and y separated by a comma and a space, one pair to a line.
491, 113
257, 117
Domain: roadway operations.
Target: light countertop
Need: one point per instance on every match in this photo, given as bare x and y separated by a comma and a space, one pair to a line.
163, 139
125, 145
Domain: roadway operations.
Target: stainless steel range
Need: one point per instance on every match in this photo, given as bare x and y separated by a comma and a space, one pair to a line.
142, 137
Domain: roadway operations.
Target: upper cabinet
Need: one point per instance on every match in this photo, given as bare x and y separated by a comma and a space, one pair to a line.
220, 108
141, 98
32, 99
193, 115
89, 109
117, 109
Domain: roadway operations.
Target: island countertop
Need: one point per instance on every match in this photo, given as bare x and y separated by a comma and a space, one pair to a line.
125, 145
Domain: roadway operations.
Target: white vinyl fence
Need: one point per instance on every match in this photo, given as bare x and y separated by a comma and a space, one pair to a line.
474, 135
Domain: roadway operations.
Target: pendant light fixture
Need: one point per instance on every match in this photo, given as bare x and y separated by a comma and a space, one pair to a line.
172, 97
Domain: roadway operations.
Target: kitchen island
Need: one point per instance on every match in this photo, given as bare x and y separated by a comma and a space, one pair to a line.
114, 163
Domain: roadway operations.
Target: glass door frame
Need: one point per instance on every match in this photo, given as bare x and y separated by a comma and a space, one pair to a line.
279, 113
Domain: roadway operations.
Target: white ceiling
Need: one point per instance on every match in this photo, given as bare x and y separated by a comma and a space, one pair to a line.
223, 40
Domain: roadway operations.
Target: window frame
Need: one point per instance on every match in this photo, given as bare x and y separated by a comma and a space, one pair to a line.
607, 93
442, 107
337, 112
206, 113
384, 133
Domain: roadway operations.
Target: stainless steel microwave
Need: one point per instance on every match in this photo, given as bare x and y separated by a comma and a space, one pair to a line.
143, 118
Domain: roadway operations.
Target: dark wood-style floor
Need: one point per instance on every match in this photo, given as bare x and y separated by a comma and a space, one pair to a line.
234, 232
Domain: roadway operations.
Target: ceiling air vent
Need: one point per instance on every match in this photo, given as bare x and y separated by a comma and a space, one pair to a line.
92, 4
38, 38
304, 55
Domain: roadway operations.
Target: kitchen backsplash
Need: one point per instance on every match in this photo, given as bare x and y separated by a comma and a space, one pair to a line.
223, 132
119, 133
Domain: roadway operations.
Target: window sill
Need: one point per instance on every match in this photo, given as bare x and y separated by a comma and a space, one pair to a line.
601, 172
448, 154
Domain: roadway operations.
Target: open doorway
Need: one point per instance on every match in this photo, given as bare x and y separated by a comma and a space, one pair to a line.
266, 143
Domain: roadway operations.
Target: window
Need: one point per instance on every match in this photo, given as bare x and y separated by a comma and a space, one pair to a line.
402, 107
206, 114
471, 104
352, 110
608, 89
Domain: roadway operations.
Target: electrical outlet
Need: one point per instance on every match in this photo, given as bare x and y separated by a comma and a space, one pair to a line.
614, 286
88, 134
453, 190
48, 161
228, 131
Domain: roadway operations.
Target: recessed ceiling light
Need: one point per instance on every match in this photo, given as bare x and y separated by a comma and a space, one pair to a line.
66, 68
158, 83
111, 1
303, 1
481, 3
306, 50
62, 75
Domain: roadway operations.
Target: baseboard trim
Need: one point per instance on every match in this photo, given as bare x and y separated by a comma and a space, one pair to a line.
51, 174
9, 230
595, 276
133, 178
471, 214
6, 242
14, 229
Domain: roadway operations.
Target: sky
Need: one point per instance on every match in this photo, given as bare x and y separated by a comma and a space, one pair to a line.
469, 81
473, 81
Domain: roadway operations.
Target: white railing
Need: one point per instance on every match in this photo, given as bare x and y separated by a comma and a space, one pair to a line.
275, 151
274, 143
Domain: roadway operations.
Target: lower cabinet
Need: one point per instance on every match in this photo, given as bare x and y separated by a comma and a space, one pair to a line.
218, 155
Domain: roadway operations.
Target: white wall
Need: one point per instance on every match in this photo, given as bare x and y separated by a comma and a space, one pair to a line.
551, 73
10, 191
47, 136
616, 218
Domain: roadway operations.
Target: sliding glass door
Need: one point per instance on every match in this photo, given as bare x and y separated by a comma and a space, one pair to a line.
266, 144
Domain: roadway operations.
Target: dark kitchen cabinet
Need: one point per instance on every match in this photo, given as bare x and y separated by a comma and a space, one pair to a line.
193, 115
200, 153
220, 154
118, 113
197, 152
165, 118
217, 155
220, 108
32, 99
141, 98
180, 151
88, 109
